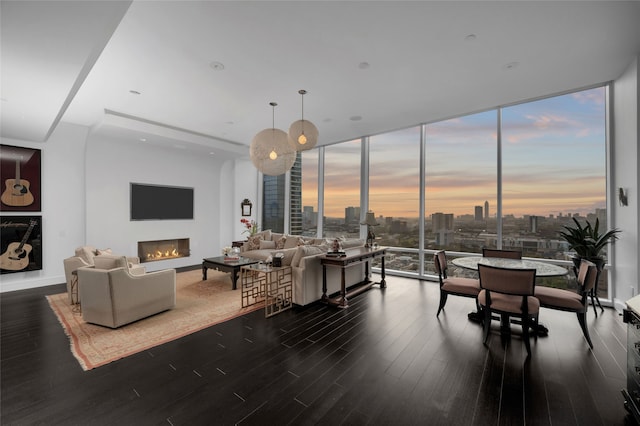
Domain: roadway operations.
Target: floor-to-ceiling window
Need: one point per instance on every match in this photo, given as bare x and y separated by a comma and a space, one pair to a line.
553, 169
460, 183
342, 190
394, 194
508, 177
309, 161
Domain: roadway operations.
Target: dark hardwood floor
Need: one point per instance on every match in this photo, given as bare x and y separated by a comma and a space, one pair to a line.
386, 359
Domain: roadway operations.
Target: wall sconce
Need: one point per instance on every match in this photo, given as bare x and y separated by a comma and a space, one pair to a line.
622, 197
245, 206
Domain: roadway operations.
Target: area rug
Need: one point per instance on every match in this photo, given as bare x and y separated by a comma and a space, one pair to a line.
199, 304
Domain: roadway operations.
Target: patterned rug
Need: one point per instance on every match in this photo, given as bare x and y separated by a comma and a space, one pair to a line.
199, 304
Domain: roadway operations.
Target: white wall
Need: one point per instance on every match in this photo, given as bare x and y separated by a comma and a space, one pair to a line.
625, 174
113, 164
63, 205
85, 200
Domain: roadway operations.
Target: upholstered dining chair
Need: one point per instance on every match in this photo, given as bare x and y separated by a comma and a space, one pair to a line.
510, 293
505, 254
570, 301
458, 286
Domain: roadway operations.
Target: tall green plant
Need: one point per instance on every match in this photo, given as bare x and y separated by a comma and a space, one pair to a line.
586, 240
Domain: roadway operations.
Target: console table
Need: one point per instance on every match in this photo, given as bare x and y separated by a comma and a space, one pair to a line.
351, 257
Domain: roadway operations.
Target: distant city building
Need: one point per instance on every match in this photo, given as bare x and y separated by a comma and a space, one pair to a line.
309, 217
533, 223
351, 215
441, 222
398, 227
478, 213
486, 210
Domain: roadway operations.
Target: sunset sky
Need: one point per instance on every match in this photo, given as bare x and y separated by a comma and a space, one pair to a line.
553, 157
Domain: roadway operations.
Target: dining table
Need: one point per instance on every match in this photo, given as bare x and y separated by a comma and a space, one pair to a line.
543, 270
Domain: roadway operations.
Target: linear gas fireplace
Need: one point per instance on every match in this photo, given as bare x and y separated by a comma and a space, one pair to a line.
151, 251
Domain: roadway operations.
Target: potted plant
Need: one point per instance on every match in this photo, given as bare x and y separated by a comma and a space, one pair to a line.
587, 241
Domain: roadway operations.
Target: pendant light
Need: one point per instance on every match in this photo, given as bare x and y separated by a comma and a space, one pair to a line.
303, 134
270, 150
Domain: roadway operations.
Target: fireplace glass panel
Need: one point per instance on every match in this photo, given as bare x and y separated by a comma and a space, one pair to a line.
151, 251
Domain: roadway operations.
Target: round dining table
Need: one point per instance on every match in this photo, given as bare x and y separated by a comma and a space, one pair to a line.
543, 269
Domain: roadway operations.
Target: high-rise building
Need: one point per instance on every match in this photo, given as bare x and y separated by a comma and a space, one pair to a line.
351, 215
309, 217
441, 222
486, 210
295, 208
478, 212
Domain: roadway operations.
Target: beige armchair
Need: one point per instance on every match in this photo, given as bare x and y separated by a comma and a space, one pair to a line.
112, 296
85, 256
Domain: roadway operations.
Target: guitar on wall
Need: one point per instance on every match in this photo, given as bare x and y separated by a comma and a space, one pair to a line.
16, 257
17, 191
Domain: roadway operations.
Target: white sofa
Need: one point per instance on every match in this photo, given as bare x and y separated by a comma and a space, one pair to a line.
84, 256
112, 296
303, 255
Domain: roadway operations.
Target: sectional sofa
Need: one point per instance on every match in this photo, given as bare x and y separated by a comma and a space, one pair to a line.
303, 255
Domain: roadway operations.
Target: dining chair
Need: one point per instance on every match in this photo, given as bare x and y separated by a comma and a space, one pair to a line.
510, 293
570, 301
458, 286
505, 254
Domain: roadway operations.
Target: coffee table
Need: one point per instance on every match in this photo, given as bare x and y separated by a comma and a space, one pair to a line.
224, 264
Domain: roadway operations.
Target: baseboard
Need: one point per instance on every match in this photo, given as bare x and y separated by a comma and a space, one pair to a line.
30, 283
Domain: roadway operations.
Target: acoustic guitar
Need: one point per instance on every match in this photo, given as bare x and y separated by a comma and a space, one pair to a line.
17, 191
16, 257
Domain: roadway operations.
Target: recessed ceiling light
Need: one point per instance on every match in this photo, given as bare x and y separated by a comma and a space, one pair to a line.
212, 153
511, 65
134, 92
143, 139
218, 66
355, 118
470, 37
363, 65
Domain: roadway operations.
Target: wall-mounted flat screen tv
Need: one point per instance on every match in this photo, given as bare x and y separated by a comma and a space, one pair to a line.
158, 202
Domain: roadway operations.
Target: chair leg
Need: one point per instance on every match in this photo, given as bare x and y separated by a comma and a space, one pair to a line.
598, 301
487, 323
582, 319
525, 334
593, 303
443, 301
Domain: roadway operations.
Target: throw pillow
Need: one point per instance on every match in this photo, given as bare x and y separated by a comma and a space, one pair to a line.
288, 256
352, 243
103, 251
253, 243
86, 253
293, 242
304, 251
267, 244
281, 242
266, 234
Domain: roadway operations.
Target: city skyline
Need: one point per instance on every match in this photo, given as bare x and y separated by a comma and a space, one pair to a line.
553, 162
